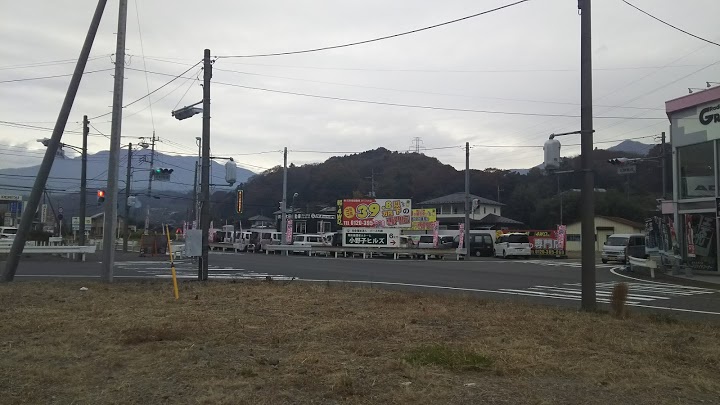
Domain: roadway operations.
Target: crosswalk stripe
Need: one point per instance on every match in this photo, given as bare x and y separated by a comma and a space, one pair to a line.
604, 293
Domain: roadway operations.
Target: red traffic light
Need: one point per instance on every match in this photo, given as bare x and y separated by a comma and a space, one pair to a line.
101, 193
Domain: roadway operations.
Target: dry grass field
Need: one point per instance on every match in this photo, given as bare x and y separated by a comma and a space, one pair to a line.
276, 343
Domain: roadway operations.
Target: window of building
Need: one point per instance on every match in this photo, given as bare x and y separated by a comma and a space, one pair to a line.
573, 238
484, 210
696, 165
323, 227
300, 227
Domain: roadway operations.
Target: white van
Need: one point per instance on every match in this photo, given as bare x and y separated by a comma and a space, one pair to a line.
513, 244
309, 240
7, 232
621, 245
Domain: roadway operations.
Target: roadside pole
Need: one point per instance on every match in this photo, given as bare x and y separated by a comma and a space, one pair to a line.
110, 219
83, 184
126, 226
205, 177
28, 214
283, 204
466, 237
587, 195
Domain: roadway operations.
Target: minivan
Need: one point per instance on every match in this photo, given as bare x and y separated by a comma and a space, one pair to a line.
7, 232
513, 244
260, 239
308, 240
620, 246
426, 242
481, 244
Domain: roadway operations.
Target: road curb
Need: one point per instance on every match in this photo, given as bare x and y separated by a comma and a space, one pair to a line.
660, 276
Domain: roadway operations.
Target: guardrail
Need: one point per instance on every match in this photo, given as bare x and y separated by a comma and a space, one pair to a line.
646, 263
366, 252
70, 251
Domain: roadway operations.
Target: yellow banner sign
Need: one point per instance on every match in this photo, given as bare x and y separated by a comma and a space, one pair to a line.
423, 219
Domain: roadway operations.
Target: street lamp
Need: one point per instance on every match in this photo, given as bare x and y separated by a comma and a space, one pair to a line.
83, 179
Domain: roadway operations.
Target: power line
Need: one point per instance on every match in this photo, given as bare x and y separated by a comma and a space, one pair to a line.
152, 92
27, 79
546, 70
431, 107
49, 63
417, 91
380, 38
668, 24
142, 50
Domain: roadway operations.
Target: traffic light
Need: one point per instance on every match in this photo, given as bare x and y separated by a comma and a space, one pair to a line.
162, 174
618, 161
100, 196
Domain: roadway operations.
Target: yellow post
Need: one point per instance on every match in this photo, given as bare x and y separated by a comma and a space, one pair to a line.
172, 263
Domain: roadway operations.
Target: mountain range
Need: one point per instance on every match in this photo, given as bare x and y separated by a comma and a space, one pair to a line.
65, 174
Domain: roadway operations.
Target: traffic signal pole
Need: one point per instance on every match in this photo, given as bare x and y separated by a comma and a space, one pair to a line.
8, 273
126, 227
83, 184
150, 179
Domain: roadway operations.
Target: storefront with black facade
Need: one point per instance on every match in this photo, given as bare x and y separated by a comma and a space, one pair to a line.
313, 223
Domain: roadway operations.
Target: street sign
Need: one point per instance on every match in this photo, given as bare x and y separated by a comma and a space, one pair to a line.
61, 210
630, 169
10, 197
371, 237
76, 223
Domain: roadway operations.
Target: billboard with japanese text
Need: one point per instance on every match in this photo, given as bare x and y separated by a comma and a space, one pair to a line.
375, 213
423, 219
544, 243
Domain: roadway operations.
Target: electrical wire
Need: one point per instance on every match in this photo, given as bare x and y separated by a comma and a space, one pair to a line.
152, 92
27, 79
50, 63
418, 91
147, 81
325, 48
430, 107
668, 24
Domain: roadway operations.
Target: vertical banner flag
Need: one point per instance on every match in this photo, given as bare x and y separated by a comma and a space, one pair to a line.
462, 236
289, 231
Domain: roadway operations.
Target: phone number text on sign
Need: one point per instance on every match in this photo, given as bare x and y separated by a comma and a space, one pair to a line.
376, 213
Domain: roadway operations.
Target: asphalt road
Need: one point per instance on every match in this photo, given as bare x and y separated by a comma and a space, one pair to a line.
554, 282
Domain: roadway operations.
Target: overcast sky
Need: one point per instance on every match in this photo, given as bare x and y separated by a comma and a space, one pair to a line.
521, 59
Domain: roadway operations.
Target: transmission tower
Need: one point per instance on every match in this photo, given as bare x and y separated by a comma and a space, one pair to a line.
416, 145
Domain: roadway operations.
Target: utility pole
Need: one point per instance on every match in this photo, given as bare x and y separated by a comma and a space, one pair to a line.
126, 227
467, 200
83, 184
41, 179
283, 204
149, 190
110, 219
205, 177
662, 137
194, 219
587, 196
